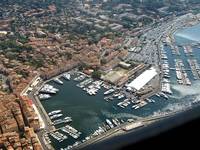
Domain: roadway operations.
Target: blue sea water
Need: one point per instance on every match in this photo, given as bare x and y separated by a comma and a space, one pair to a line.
188, 35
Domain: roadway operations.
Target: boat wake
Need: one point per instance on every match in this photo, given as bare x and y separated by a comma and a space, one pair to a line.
119, 115
184, 98
176, 107
186, 91
188, 37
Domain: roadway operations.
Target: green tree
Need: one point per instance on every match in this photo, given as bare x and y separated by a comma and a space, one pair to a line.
96, 74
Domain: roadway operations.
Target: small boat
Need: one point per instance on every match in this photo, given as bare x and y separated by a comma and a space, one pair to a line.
164, 95
57, 80
67, 76
54, 112
44, 96
157, 94
56, 116
109, 123
109, 92
121, 96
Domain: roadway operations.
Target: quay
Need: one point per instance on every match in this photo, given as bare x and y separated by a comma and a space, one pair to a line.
46, 124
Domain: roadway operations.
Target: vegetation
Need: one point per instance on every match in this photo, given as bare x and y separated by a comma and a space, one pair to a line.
68, 55
37, 63
23, 73
82, 67
103, 61
96, 74
22, 39
13, 46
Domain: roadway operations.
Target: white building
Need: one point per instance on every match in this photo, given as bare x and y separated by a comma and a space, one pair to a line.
142, 79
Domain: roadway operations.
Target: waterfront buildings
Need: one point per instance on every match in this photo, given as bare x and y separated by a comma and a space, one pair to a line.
47, 39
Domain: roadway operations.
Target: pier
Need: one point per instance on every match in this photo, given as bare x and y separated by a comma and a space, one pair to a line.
185, 69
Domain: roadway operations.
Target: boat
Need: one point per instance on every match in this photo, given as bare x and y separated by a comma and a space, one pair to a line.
134, 106
116, 94
164, 95
44, 96
118, 122
48, 89
109, 123
60, 121
56, 116
80, 78
195, 101
57, 80
166, 76
157, 94
109, 92
142, 104
71, 131
121, 96
120, 105
137, 107
114, 122
122, 121
67, 76
54, 112
58, 136
148, 100
152, 100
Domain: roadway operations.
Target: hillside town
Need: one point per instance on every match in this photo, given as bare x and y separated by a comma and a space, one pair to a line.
46, 38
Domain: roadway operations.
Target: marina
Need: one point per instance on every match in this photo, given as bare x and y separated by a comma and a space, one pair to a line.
106, 106
85, 106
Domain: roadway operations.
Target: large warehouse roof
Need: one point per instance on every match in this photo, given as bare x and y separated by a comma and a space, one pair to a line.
143, 79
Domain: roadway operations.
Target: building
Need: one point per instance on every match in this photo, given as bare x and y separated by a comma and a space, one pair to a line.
142, 79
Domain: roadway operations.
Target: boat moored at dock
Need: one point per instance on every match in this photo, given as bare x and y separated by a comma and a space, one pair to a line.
54, 112
57, 80
71, 131
48, 89
109, 123
56, 116
60, 121
67, 76
109, 92
44, 96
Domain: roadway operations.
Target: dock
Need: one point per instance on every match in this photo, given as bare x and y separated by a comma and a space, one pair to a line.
195, 68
